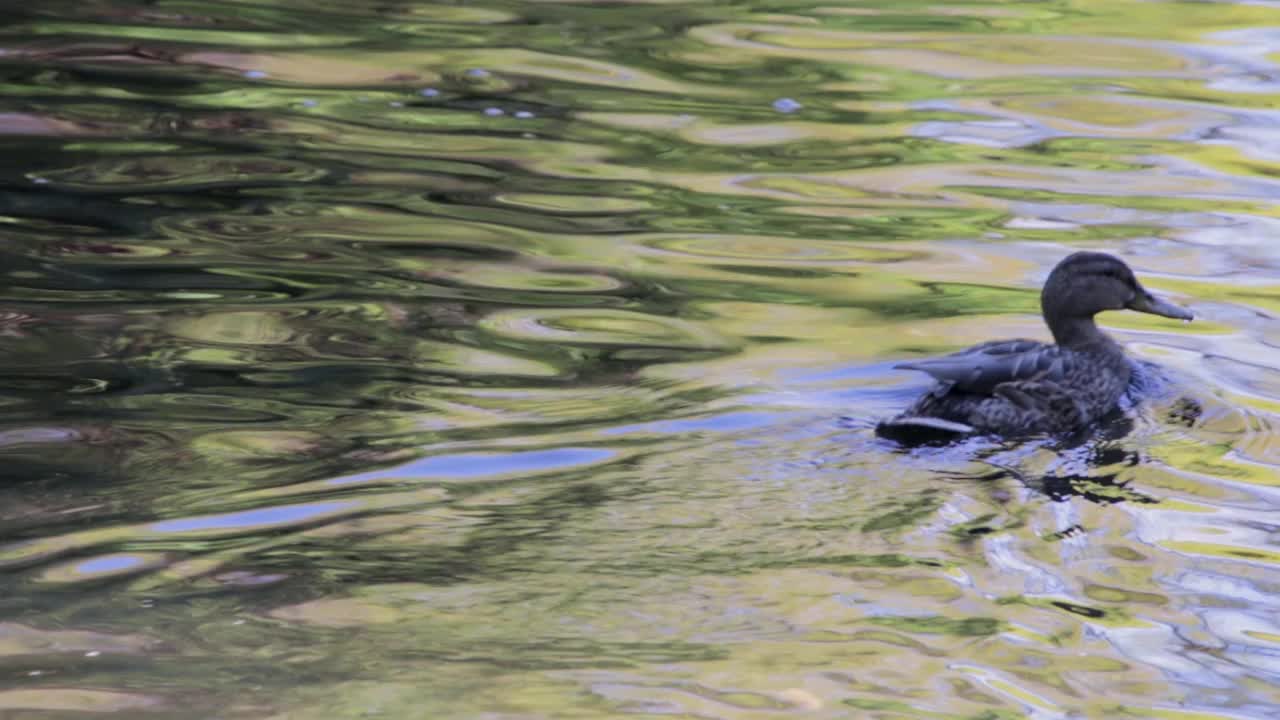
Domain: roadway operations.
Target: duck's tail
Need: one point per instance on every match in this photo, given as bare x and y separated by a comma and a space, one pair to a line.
918, 430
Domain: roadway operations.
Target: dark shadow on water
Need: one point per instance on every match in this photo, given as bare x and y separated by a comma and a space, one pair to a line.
1098, 446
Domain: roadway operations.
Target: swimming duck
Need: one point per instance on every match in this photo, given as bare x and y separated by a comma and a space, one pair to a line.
1024, 387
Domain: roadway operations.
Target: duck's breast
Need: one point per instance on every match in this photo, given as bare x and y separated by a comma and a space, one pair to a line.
1097, 380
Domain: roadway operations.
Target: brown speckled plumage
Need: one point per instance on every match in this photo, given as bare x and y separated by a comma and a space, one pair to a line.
1024, 387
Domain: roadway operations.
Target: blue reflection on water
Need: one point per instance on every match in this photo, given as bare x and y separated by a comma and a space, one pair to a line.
472, 465
286, 515
726, 422
110, 564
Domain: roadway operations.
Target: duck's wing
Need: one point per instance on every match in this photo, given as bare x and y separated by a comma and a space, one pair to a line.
981, 368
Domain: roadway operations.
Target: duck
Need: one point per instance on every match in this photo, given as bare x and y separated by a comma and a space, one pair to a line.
1014, 388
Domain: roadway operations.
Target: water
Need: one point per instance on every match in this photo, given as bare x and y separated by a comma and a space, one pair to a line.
518, 360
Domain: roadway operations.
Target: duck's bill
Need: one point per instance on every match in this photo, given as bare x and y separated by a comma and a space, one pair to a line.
1148, 303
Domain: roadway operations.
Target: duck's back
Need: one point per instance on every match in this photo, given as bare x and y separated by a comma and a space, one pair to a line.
1025, 388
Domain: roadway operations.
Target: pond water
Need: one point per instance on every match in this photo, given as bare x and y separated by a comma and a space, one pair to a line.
519, 359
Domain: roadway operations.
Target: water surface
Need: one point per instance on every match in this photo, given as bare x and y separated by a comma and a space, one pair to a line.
519, 359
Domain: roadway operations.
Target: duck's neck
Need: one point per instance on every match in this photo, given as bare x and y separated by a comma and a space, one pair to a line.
1077, 331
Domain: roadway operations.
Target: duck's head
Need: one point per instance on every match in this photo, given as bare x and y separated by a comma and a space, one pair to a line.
1087, 283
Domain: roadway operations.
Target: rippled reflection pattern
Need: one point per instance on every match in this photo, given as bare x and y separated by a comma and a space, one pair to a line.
519, 360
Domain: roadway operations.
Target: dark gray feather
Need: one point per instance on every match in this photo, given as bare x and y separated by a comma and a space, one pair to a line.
981, 368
